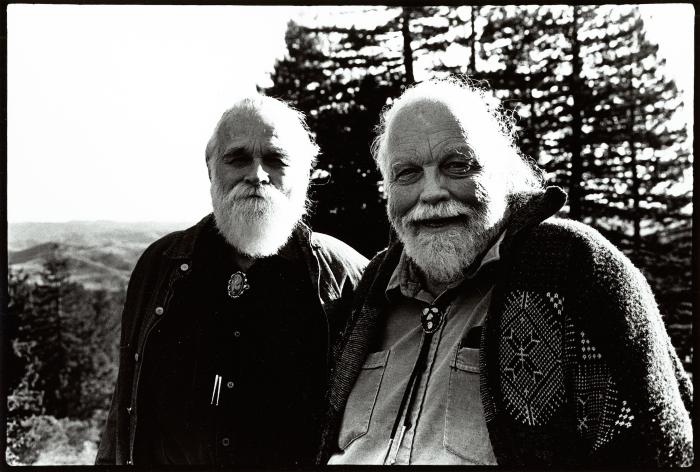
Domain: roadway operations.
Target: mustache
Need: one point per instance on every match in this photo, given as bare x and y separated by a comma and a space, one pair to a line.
243, 190
450, 209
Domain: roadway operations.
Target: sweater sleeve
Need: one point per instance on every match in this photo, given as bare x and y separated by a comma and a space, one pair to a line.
632, 395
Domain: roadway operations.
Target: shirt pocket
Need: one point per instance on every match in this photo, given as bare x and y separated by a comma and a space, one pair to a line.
466, 434
363, 397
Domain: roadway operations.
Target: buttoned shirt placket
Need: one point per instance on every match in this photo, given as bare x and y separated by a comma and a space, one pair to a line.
405, 445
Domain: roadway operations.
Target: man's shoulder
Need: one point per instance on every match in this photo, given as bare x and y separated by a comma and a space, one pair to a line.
579, 239
338, 251
586, 258
177, 244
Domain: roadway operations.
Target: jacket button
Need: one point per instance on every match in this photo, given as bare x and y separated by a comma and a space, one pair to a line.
185, 267
159, 310
129, 462
229, 384
237, 334
225, 442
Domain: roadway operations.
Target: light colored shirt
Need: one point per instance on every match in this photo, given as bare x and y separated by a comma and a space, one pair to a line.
448, 425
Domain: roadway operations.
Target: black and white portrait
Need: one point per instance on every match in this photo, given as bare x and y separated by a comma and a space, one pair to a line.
298, 236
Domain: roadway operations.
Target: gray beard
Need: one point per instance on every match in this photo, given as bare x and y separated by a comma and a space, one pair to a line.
257, 227
444, 257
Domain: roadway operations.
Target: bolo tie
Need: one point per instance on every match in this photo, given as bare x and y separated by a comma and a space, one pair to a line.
237, 284
432, 318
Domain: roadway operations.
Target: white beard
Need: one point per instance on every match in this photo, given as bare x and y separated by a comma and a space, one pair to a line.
257, 227
444, 256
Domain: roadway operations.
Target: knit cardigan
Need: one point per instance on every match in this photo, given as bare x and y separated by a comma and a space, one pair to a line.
576, 367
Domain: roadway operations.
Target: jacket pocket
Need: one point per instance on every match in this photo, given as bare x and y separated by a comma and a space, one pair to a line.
360, 405
466, 434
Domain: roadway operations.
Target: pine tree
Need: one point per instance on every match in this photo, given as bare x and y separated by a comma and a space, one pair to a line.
65, 343
593, 107
342, 103
633, 150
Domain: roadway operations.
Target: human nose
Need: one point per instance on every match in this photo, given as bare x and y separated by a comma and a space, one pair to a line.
433, 190
257, 174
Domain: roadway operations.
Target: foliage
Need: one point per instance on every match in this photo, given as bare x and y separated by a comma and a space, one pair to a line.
342, 105
46, 440
594, 107
64, 342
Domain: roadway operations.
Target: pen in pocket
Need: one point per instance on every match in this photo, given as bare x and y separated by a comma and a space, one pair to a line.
216, 391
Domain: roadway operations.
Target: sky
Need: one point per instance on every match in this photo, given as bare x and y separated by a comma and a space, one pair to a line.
110, 106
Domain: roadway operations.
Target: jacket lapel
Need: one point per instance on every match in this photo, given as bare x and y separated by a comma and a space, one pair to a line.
361, 330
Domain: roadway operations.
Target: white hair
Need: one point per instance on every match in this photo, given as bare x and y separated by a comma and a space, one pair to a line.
491, 132
285, 116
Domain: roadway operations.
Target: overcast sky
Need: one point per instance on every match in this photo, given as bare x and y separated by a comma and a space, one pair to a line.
110, 107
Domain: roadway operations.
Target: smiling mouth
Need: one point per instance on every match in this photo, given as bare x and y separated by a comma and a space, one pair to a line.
440, 222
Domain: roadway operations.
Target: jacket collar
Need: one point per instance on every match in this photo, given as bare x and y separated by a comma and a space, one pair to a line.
183, 246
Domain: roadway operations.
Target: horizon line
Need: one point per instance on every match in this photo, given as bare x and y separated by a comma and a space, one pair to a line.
101, 221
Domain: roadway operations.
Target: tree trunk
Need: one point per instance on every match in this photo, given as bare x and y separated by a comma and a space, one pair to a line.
472, 46
576, 179
407, 51
636, 216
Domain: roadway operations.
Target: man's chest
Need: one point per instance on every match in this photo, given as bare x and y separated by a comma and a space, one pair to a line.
219, 370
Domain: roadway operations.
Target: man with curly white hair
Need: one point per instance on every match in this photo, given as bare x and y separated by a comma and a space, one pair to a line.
490, 332
227, 326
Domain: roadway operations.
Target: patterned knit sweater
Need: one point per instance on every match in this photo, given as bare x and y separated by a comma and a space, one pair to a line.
576, 364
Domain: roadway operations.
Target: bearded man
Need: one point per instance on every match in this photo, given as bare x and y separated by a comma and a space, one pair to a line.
227, 325
489, 332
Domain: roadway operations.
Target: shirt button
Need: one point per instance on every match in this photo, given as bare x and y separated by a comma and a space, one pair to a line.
225, 442
128, 409
237, 334
136, 357
129, 462
159, 310
229, 384
184, 267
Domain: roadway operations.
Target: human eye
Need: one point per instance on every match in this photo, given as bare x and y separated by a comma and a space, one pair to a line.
276, 160
459, 166
406, 174
236, 158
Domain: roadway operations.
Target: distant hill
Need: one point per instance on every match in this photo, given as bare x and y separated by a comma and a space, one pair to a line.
25, 235
100, 254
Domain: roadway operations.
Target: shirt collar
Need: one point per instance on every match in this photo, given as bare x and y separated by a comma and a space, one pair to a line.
405, 279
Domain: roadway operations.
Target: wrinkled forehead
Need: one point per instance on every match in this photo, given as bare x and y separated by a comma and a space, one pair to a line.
424, 116
424, 120
244, 122
278, 125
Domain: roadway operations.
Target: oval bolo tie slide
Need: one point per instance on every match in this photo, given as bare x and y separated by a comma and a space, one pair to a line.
237, 284
431, 319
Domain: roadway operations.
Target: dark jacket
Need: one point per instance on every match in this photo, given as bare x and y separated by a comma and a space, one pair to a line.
334, 269
576, 367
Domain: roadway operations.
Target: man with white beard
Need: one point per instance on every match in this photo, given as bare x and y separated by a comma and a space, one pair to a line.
227, 326
487, 332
